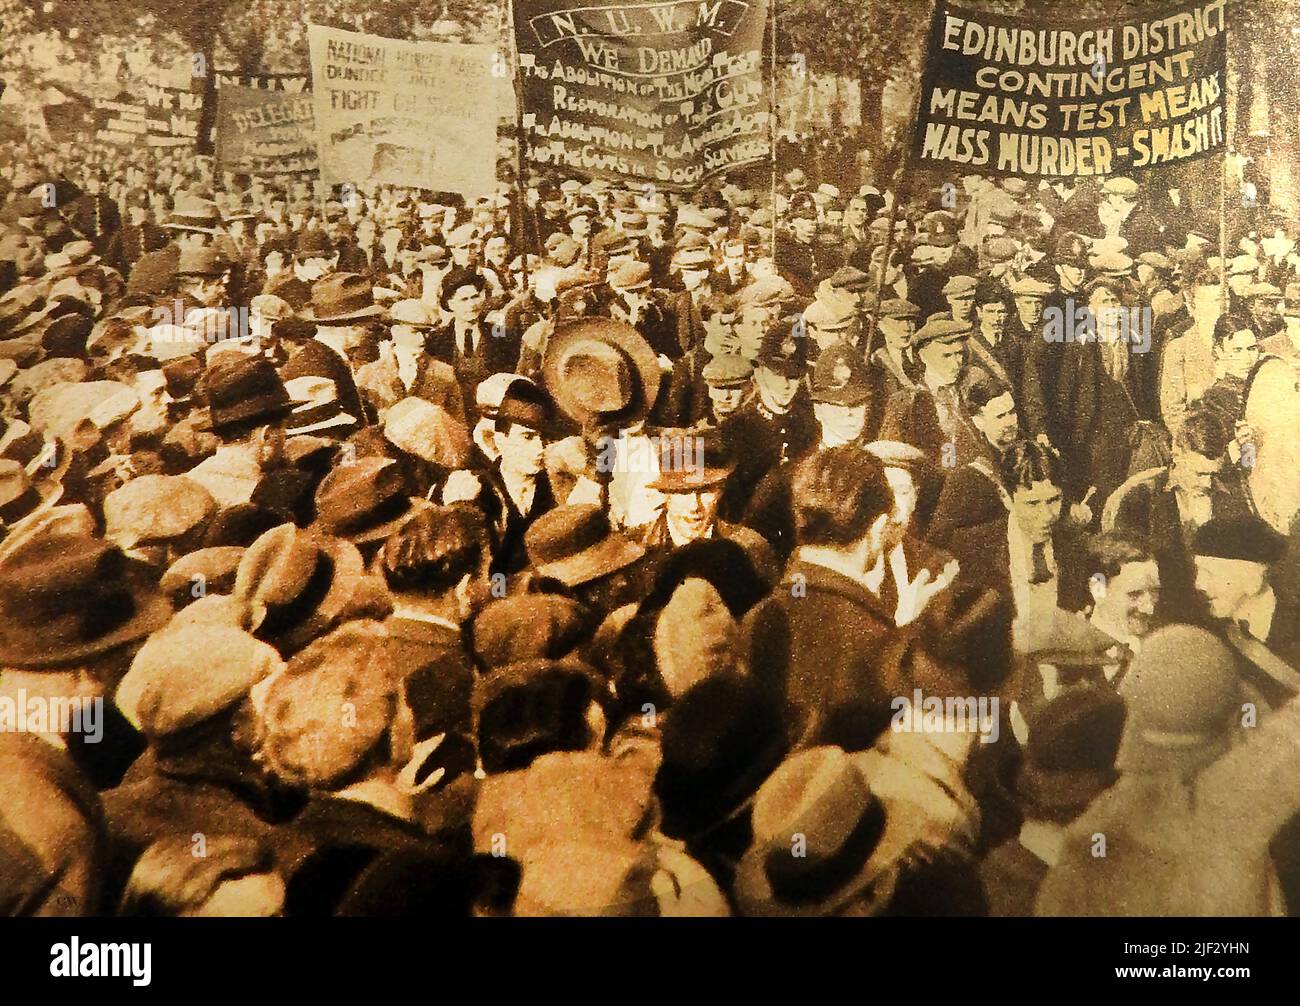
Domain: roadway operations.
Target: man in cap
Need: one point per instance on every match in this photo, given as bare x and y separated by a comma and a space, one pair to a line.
830, 323
733, 274
635, 303
1262, 301
959, 293
996, 346
895, 365
729, 378
796, 259
931, 415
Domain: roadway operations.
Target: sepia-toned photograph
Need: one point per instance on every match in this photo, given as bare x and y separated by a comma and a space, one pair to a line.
470, 459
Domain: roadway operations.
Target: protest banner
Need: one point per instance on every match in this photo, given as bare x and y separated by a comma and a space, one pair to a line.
265, 132
1022, 96
291, 83
665, 94
419, 114
175, 106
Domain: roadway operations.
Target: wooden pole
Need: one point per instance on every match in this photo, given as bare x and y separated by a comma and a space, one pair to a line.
772, 105
524, 216
897, 191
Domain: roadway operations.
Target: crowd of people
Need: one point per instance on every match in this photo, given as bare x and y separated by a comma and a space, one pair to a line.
582, 548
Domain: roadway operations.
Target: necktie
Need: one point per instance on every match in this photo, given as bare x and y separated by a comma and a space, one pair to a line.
1040, 574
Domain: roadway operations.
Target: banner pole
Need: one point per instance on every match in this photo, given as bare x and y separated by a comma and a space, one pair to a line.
771, 117
523, 216
1223, 232
896, 193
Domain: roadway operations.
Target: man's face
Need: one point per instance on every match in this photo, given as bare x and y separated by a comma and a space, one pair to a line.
898, 333
1238, 353
1030, 309
366, 233
274, 263
580, 226
1263, 310
943, 360
841, 424
1227, 583
778, 389
209, 291
1036, 510
466, 304
734, 263
962, 306
824, 337
998, 421
692, 514
904, 488
494, 252
720, 337
725, 401
1130, 598
993, 318
462, 254
856, 214
521, 449
749, 332
804, 228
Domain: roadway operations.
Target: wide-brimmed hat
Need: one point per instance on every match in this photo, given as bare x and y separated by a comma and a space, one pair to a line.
365, 501
692, 461
822, 795
340, 298
429, 432
724, 737
600, 372
65, 597
576, 544
291, 585
1070, 755
241, 389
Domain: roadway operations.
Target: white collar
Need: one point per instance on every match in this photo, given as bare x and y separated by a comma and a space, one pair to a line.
415, 615
1044, 839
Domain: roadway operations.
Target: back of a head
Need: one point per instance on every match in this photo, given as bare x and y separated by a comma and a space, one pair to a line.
838, 494
1182, 689
434, 550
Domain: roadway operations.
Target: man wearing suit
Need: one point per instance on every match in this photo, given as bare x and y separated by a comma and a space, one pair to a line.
474, 348
995, 348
